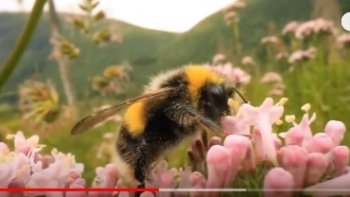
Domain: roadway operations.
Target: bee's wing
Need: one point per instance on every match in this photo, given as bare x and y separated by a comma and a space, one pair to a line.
91, 120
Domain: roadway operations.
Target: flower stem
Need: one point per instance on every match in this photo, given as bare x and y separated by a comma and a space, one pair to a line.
22, 42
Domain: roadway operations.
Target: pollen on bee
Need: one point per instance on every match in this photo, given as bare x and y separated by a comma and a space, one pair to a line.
197, 77
135, 118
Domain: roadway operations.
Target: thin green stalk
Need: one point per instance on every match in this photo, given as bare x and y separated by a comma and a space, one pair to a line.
22, 42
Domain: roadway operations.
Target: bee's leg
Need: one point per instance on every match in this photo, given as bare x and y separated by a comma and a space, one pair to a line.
186, 115
140, 186
140, 173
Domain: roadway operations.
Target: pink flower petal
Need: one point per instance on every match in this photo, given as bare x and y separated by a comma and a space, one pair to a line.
294, 160
238, 146
321, 143
276, 180
340, 159
316, 166
78, 183
294, 136
259, 147
219, 162
336, 130
197, 180
262, 118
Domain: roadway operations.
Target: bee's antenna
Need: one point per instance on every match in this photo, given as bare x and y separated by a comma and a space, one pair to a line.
240, 95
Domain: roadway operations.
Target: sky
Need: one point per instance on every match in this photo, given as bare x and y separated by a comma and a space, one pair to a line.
167, 15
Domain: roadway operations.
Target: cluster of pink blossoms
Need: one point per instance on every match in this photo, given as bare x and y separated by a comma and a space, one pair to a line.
308, 28
233, 74
302, 55
297, 160
26, 167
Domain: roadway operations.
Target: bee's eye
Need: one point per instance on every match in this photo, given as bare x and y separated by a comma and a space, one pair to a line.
218, 95
213, 101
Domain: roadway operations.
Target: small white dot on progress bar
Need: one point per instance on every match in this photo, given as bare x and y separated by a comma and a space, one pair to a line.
345, 21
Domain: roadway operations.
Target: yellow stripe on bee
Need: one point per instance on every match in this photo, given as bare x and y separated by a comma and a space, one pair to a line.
135, 118
198, 76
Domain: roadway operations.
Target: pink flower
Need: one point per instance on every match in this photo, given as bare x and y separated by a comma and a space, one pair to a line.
263, 117
302, 55
235, 125
316, 166
300, 134
161, 176
341, 159
282, 55
197, 180
277, 182
248, 60
269, 40
291, 27
314, 27
45, 160
106, 177
219, 163
259, 148
185, 175
249, 163
26, 145
277, 89
219, 59
271, 77
294, 160
232, 74
15, 184
321, 143
77, 183
16, 169
58, 174
336, 130
231, 17
4, 150
238, 147
344, 40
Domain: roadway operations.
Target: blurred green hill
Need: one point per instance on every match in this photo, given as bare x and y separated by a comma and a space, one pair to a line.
148, 51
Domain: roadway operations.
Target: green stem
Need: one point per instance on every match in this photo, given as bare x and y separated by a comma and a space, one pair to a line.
237, 43
22, 42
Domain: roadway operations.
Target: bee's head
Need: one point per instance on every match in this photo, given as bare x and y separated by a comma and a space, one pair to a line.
213, 100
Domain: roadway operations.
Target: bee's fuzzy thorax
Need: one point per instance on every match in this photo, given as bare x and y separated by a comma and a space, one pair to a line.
198, 77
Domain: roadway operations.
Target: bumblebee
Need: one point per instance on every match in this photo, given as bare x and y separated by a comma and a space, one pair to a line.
174, 105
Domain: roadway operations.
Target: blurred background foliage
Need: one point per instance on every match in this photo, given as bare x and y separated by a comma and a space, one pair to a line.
106, 72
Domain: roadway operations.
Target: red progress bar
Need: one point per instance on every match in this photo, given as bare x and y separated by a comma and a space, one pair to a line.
79, 189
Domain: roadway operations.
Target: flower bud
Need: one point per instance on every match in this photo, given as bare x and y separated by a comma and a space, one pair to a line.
277, 182
321, 143
336, 130
316, 166
340, 159
294, 160
238, 146
197, 180
219, 163
78, 183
